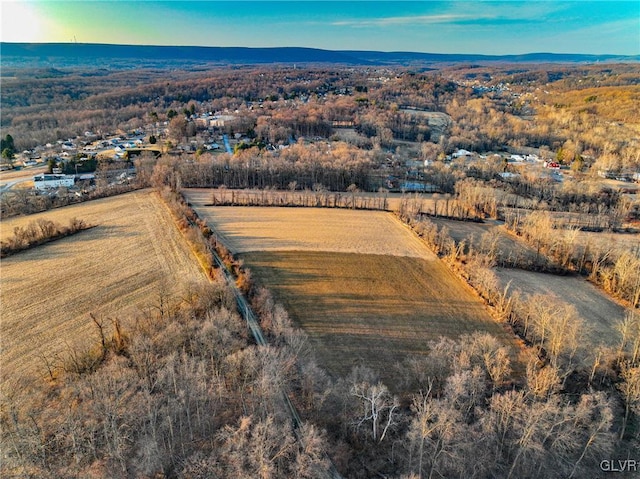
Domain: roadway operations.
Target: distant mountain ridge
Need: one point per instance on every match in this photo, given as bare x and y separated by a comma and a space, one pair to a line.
75, 52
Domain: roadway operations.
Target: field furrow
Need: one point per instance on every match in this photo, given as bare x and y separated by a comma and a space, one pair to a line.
376, 310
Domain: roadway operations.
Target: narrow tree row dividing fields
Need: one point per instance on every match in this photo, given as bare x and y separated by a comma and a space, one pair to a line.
39, 232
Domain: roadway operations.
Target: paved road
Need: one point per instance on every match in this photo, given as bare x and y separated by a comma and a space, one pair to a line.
8, 185
227, 145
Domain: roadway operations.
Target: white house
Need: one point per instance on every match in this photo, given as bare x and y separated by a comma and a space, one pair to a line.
43, 182
461, 152
220, 120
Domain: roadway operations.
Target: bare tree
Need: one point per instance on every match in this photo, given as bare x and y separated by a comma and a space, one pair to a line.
493, 356
178, 128
542, 381
593, 418
310, 459
377, 408
256, 448
630, 390
432, 435
564, 336
629, 329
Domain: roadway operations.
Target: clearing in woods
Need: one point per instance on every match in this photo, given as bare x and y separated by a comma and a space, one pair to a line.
118, 268
363, 287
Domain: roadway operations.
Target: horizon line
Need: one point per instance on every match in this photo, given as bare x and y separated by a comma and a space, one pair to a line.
324, 49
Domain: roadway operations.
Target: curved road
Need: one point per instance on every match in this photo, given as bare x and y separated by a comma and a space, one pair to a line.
8, 185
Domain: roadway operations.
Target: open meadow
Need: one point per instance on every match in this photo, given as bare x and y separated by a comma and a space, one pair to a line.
134, 254
365, 288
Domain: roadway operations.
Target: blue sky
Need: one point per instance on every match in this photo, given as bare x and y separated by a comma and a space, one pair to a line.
504, 27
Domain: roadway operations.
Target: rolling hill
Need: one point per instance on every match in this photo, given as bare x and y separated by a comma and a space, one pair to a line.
81, 53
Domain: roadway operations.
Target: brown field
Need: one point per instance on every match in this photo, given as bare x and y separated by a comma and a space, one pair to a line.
112, 270
370, 309
616, 242
464, 230
363, 287
599, 312
348, 134
246, 229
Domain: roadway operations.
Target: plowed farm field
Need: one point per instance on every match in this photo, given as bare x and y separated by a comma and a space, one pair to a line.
363, 287
115, 270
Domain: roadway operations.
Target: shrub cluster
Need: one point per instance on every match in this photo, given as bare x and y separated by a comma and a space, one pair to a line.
39, 232
14, 203
194, 230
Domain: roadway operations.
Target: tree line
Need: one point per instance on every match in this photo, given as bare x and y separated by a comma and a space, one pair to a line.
39, 232
616, 273
319, 197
